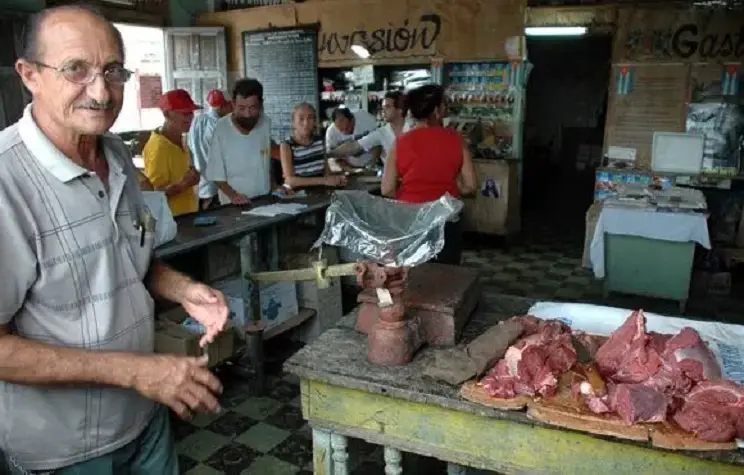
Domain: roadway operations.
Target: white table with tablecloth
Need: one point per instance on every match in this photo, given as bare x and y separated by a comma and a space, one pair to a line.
647, 252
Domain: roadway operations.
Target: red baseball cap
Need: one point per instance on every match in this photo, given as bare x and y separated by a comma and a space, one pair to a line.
177, 100
216, 98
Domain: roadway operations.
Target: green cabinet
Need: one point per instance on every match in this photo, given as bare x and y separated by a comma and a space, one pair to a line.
648, 267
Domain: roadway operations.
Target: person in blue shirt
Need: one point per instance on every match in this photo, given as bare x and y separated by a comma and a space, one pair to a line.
199, 139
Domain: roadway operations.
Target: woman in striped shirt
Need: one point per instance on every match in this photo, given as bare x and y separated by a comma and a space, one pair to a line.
303, 154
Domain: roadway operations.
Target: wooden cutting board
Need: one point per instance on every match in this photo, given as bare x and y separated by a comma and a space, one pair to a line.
477, 394
564, 411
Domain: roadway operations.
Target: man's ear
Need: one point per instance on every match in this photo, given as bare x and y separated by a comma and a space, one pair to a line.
29, 74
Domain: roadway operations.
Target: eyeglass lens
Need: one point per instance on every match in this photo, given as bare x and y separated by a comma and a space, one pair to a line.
81, 73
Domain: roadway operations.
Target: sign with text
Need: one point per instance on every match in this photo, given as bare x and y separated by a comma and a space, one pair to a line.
150, 90
390, 30
679, 35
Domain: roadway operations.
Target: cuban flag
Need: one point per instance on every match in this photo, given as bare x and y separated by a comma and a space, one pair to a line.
730, 81
624, 80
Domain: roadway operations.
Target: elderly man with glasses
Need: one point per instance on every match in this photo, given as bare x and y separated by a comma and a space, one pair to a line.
80, 388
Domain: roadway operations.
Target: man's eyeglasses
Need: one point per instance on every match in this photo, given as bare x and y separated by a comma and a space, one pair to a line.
80, 72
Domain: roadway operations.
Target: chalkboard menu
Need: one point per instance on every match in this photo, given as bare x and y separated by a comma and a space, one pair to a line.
286, 63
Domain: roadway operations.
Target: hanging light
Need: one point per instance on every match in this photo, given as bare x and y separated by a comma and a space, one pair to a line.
554, 31
361, 51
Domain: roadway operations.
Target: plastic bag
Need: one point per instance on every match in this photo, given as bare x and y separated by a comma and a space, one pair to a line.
386, 231
165, 226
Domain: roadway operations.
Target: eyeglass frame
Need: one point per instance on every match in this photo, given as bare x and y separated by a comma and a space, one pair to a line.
61, 70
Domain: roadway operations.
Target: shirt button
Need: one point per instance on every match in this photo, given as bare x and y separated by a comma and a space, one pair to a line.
101, 194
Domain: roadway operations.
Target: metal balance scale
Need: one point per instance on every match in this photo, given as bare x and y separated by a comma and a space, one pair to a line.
406, 302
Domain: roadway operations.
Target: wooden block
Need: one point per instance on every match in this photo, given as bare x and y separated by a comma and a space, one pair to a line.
558, 414
670, 436
477, 394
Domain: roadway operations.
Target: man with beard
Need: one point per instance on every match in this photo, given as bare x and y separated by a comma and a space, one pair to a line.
240, 154
394, 112
81, 390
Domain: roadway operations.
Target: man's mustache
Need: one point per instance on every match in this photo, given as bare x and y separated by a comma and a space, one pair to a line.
95, 105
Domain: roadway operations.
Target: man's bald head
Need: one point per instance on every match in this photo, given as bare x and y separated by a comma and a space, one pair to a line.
33, 47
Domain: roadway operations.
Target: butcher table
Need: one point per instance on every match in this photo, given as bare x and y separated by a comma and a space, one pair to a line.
343, 395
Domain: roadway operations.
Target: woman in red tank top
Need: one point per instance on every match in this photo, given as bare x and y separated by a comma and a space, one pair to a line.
429, 161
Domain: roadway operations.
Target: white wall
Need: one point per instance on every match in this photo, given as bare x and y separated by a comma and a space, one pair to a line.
145, 55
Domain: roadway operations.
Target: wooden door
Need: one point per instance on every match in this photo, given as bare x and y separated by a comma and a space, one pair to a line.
195, 60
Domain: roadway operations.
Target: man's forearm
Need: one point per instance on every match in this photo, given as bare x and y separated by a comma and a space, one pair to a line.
165, 282
346, 150
29, 362
228, 190
191, 178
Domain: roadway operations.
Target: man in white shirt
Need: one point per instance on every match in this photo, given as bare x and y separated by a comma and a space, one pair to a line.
394, 112
240, 154
199, 139
351, 126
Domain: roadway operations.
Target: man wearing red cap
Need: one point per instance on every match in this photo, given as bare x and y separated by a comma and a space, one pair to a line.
167, 162
199, 139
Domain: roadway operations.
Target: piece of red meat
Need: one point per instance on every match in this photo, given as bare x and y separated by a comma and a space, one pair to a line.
639, 403
658, 341
530, 325
689, 354
533, 365
722, 392
592, 343
713, 411
707, 422
627, 357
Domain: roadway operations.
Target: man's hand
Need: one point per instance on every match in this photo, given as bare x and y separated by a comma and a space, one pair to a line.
239, 199
335, 180
174, 189
182, 383
208, 307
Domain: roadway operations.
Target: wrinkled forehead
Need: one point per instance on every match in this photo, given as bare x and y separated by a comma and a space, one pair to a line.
69, 36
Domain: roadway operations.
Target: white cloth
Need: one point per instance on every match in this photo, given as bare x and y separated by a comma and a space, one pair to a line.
364, 124
198, 140
382, 137
165, 226
243, 161
676, 227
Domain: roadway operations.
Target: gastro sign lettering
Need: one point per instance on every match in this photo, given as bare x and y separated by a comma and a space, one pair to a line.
688, 41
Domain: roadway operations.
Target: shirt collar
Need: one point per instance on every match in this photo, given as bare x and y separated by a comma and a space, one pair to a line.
213, 114
50, 157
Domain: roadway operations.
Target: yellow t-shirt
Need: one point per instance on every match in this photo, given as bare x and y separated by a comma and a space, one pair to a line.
166, 164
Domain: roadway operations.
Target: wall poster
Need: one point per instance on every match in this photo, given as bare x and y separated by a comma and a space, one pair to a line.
723, 126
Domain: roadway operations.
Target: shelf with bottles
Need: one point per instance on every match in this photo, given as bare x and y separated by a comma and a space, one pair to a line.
486, 91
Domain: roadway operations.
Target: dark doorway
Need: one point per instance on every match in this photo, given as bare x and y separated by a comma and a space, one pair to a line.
564, 123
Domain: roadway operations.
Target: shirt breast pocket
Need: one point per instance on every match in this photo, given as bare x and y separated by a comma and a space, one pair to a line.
140, 235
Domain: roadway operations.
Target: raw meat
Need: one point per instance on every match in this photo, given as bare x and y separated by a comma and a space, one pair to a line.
591, 342
707, 422
714, 411
720, 392
689, 355
533, 365
627, 357
639, 403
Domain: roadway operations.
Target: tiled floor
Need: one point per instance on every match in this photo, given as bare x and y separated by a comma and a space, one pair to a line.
267, 435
